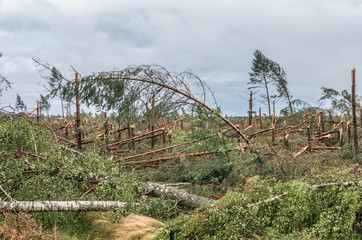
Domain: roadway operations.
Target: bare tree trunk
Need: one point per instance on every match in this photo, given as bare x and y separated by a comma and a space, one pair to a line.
260, 119
251, 108
360, 116
322, 121
77, 119
58, 206
354, 115
37, 111
106, 131
153, 122
273, 129
309, 149
267, 95
62, 106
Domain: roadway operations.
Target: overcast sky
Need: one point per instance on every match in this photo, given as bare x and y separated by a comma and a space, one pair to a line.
317, 42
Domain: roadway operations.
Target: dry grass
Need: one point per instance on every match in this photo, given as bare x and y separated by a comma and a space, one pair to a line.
21, 227
136, 227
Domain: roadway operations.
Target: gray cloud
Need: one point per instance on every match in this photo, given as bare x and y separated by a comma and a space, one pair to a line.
316, 42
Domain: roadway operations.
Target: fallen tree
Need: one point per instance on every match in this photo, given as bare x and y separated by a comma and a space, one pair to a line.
185, 198
153, 189
59, 206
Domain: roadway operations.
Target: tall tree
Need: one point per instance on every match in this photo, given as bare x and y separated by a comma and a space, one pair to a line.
45, 104
55, 82
19, 104
264, 72
261, 75
280, 80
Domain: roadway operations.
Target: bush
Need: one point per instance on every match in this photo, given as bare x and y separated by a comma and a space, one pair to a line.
298, 213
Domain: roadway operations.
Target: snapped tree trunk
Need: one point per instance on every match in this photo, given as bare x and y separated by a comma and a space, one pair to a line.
354, 114
267, 95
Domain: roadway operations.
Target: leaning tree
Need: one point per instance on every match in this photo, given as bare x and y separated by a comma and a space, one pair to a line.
266, 72
143, 91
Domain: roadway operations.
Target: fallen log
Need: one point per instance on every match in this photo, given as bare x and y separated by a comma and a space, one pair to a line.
185, 198
59, 206
326, 148
153, 189
138, 137
260, 132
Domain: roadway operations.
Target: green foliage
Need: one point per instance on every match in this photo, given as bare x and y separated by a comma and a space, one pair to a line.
205, 136
147, 91
299, 213
34, 168
45, 104
22, 135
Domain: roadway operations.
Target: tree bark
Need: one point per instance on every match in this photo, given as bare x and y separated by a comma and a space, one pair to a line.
267, 95
354, 114
250, 113
59, 206
185, 198
77, 107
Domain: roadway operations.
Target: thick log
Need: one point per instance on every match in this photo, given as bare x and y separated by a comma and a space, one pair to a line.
185, 198
154, 189
59, 206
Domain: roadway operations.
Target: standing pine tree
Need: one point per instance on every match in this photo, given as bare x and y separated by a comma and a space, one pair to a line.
45, 104
261, 75
280, 80
55, 81
19, 104
265, 72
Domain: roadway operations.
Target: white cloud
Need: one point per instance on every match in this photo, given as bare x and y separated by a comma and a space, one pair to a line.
316, 42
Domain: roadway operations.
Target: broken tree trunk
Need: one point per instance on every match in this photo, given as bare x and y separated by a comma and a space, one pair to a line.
260, 119
59, 206
77, 118
250, 112
354, 115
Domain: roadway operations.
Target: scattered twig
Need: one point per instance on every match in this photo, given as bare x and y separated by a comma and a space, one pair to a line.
7, 195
